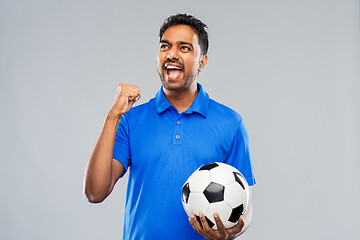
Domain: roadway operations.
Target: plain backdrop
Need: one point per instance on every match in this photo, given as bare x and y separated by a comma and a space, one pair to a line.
289, 68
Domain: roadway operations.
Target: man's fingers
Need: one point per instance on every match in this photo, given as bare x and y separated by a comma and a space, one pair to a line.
134, 96
204, 223
195, 224
199, 224
241, 223
128, 88
130, 91
238, 227
133, 93
220, 226
125, 97
211, 233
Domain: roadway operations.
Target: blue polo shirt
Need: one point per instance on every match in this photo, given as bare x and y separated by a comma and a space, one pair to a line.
162, 148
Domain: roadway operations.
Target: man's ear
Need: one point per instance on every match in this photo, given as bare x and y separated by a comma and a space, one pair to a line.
202, 63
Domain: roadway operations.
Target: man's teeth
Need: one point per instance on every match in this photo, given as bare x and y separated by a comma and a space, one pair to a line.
173, 67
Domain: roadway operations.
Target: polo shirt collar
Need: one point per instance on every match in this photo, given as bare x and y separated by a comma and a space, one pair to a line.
200, 104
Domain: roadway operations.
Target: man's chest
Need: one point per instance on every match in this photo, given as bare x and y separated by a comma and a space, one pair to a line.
192, 140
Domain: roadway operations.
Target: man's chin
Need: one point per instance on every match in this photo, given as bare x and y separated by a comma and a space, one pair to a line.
173, 86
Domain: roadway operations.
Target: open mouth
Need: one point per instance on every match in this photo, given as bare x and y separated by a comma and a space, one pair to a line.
173, 71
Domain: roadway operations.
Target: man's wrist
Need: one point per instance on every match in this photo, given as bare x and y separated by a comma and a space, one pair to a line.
114, 116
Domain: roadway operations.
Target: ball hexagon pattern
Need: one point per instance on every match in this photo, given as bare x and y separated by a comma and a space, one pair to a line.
216, 188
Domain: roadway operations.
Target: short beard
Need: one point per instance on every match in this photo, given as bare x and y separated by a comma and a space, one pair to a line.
177, 89
174, 89
186, 84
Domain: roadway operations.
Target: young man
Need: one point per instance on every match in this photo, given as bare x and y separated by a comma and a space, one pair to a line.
164, 140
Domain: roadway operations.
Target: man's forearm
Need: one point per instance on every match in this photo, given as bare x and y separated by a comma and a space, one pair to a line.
98, 176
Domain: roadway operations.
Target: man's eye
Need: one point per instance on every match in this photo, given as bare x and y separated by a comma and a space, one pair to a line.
185, 48
164, 47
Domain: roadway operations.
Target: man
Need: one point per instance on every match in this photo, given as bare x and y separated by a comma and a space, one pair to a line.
164, 140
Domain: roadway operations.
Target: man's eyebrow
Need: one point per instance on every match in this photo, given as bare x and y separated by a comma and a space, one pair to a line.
179, 42
165, 41
185, 43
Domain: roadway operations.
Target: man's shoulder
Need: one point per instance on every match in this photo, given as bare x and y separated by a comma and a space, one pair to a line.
221, 111
140, 111
143, 106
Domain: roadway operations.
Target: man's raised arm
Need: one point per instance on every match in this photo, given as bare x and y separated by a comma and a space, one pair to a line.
102, 171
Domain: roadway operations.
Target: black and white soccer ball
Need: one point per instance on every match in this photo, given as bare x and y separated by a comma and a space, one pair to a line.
216, 187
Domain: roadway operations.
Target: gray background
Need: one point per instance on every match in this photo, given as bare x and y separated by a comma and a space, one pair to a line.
290, 68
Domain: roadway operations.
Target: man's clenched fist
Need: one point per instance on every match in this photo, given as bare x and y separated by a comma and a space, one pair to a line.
125, 97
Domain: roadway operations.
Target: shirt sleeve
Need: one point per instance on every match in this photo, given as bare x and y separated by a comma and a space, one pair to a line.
122, 147
240, 156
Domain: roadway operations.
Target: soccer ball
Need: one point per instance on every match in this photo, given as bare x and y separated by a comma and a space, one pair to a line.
216, 187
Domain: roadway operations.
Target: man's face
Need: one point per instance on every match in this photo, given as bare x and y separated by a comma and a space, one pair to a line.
179, 58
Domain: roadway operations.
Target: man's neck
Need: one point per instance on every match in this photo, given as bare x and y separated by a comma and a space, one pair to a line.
182, 100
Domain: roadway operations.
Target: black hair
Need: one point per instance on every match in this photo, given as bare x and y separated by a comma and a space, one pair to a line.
194, 23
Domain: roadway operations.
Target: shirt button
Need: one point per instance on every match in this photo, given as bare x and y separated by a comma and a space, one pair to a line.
177, 136
178, 122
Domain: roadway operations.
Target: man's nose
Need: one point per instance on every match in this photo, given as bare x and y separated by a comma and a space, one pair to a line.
172, 54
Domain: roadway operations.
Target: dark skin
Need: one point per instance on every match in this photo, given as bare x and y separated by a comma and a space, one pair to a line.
179, 47
221, 233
